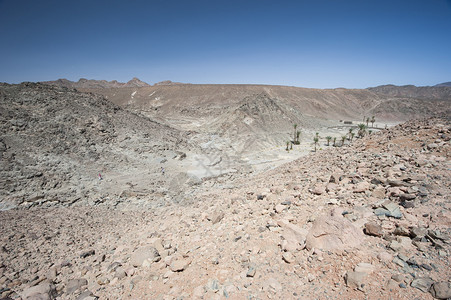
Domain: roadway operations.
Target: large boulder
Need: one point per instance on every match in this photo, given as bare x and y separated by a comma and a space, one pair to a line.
333, 232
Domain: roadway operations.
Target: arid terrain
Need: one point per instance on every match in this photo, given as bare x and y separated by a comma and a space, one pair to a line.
115, 190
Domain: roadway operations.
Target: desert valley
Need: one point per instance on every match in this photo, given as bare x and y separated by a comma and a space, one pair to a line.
113, 190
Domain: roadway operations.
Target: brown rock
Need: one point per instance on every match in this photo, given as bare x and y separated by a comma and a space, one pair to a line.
374, 229
441, 290
333, 232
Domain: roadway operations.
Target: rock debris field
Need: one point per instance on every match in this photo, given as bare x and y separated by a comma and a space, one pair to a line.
370, 220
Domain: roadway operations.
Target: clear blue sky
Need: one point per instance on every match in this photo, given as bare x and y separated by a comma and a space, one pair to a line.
319, 44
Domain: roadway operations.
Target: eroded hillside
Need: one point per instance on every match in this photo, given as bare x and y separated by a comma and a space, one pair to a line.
54, 142
367, 220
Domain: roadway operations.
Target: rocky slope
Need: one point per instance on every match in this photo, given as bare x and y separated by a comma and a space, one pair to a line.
438, 92
54, 142
367, 220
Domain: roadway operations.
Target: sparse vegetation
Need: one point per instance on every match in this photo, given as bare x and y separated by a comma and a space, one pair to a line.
373, 119
362, 130
288, 146
315, 141
343, 139
335, 140
298, 134
350, 133
328, 138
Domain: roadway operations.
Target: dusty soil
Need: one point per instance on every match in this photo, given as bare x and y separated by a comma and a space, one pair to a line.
370, 220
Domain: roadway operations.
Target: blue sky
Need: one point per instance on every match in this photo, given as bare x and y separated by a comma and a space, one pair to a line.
318, 44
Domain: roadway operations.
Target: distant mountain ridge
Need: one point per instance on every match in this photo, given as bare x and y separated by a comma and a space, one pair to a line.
96, 84
444, 84
438, 92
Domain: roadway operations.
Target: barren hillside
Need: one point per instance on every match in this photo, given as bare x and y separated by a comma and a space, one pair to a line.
369, 220
54, 142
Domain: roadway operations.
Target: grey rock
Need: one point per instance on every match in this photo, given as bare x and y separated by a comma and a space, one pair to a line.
76, 284
389, 209
399, 262
422, 283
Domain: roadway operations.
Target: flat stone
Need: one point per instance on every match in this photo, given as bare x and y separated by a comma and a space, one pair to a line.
422, 283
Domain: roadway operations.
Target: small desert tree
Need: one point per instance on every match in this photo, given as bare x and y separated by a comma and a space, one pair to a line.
315, 141
294, 136
373, 119
367, 121
350, 133
343, 139
362, 130
328, 138
298, 134
335, 140
288, 145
